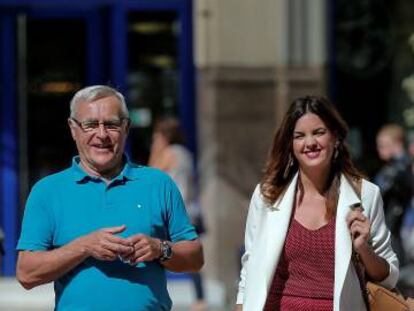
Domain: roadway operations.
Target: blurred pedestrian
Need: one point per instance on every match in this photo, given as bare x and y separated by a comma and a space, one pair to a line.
407, 230
406, 282
394, 180
310, 212
2, 252
169, 154
104, 230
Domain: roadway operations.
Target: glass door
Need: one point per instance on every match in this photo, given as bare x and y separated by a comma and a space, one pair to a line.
55, 70
153, 75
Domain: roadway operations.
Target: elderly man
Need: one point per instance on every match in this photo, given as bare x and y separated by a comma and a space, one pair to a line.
104, 230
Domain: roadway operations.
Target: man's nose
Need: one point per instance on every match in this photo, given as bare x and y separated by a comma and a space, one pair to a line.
102, 131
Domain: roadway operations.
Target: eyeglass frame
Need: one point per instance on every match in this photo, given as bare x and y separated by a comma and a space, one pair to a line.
105, 124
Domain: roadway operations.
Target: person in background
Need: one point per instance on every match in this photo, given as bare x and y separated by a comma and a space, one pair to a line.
169, 154
406, 282
310, 213
2, 252
105, 229
395, 181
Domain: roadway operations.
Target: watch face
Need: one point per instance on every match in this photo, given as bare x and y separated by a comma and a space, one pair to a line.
166, 251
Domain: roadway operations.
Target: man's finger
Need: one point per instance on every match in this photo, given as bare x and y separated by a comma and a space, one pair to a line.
145, 257
118, 240
117, 248
104, 254
115, 230
136, 238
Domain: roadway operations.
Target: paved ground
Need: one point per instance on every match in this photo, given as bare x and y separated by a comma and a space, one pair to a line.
14, 298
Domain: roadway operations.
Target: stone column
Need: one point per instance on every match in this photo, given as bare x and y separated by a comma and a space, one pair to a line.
247, 75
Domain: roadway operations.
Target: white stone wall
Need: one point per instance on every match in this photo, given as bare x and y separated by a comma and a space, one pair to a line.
252, 58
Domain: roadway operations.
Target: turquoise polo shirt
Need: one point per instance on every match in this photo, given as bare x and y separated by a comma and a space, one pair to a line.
70, 204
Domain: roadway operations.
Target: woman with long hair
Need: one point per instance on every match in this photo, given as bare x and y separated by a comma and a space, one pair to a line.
168, 153
310, 214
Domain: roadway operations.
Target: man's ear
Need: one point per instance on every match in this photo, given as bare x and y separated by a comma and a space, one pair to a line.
72, 129
128, 126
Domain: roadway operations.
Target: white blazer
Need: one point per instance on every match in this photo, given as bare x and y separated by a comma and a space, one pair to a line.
266, 229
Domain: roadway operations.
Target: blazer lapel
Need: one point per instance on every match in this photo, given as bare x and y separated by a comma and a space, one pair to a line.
343, 243
277, 225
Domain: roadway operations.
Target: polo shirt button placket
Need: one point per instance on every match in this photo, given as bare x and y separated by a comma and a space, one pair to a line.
107, 197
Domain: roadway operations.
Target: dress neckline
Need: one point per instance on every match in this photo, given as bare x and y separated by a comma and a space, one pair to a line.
313, 230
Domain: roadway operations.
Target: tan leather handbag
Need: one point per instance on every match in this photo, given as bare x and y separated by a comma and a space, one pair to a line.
382, 299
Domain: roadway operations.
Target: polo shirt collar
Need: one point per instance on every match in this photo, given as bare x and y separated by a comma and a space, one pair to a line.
81, 176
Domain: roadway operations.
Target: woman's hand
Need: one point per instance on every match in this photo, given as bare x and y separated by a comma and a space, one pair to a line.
359, 226
376, 267
238, 308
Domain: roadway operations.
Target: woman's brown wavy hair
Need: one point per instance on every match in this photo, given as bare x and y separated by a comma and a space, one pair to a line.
278, 174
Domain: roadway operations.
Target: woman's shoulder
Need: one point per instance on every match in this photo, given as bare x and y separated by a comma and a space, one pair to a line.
369, 188
258, 200
257, 194
180, 150
257, 197
361, 185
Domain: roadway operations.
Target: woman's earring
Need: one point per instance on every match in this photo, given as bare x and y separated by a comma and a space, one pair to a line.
288, 166
336, 151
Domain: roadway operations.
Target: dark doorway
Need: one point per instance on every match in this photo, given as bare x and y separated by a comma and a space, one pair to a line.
55, 70
371, 57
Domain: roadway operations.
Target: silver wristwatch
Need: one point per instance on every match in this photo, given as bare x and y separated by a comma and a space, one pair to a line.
166, 251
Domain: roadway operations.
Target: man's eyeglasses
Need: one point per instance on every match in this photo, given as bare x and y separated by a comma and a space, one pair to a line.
93, 125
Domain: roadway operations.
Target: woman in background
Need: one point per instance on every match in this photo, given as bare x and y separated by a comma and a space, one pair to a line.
169, 154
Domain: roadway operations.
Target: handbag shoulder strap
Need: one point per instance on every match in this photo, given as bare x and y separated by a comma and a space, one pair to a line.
360, 271
358, 265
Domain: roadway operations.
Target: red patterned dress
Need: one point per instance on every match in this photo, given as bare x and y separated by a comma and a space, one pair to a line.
304, 277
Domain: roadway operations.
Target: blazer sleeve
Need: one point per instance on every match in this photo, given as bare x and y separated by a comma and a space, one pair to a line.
249, 237
380, 235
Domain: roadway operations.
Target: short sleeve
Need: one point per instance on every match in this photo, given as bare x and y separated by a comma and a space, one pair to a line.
178, 221
37, 227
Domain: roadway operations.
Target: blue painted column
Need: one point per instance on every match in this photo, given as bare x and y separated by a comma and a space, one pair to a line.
118, 47
8, 141
118, 51
187, 102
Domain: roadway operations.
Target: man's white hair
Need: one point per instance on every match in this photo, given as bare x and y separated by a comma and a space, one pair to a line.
95, 92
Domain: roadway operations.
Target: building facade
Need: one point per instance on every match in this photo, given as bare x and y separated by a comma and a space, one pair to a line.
227, 69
